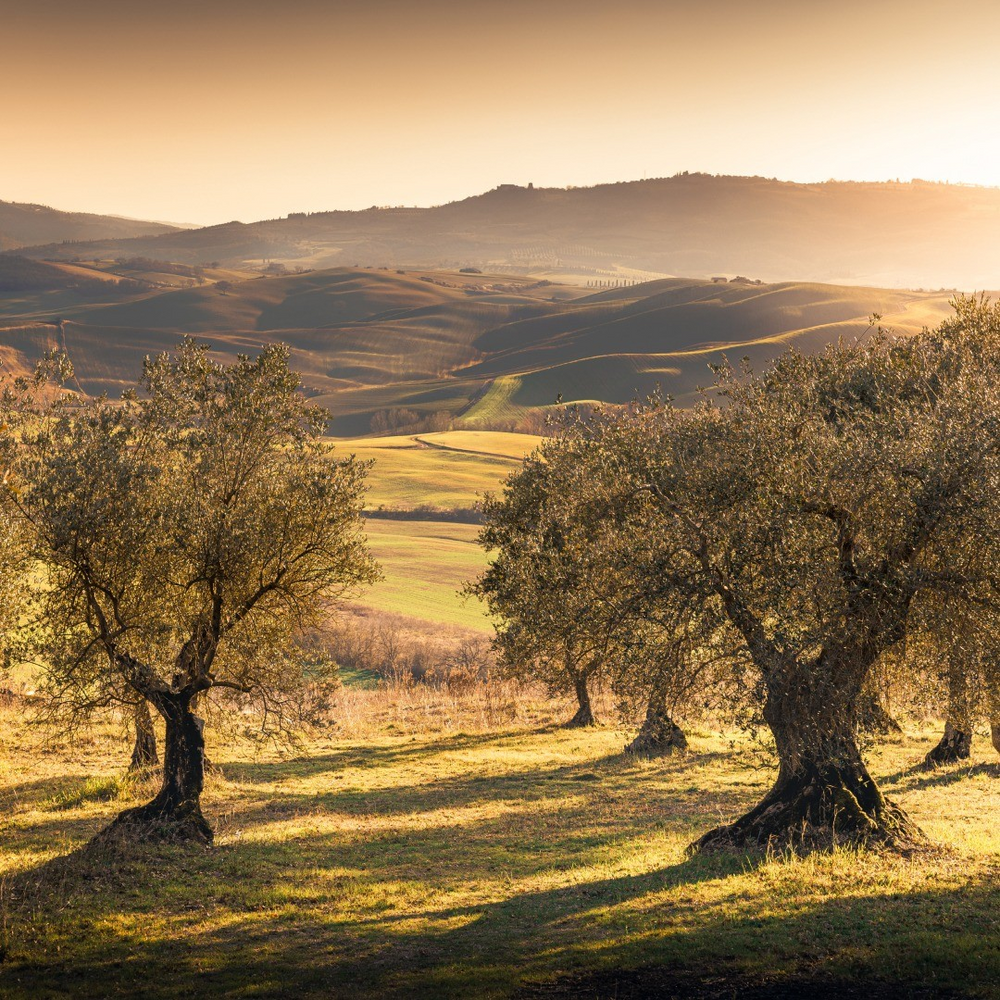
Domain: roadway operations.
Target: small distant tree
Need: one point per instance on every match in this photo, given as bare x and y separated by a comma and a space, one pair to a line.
144, 751
550, 585
670, 661
965, 640
191, 533
224, 287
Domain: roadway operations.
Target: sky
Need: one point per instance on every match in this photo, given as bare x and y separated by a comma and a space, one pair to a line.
238, 109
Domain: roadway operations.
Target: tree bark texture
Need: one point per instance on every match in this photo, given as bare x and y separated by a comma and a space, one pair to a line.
873, 717
175, 813
823, 794
144, 752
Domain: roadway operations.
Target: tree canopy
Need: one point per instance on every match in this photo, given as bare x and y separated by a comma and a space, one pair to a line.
190, 532
804, 514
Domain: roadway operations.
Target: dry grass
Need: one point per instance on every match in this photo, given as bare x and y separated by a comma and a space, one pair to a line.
440, 843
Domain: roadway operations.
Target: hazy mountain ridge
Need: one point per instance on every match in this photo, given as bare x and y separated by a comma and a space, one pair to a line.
23, 225
892, 234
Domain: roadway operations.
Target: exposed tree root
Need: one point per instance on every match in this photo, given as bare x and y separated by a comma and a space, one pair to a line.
815, 809
658, 735
151, 822
584, 717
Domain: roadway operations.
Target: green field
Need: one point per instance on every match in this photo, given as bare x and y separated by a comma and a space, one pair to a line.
427, 561
425, 564
446, 471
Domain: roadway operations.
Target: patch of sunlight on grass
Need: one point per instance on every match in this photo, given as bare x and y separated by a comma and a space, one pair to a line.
456, 864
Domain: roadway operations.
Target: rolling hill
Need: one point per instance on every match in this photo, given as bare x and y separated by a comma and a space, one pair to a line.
491, 350
23, 225
911, 235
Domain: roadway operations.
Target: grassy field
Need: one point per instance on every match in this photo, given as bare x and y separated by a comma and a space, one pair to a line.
425, 563
446, 471
437, 846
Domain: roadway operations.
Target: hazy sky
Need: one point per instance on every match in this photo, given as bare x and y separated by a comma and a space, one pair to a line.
237, 109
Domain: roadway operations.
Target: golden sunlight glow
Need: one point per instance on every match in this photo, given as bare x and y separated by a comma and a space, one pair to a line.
243, 110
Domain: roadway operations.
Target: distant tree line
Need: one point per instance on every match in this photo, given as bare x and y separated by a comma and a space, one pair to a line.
402, 420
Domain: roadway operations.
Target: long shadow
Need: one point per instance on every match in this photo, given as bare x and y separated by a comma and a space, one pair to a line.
394, 907
592, 779
440, 809
359, 757
922, 944
96, 882
920, 777
523, 823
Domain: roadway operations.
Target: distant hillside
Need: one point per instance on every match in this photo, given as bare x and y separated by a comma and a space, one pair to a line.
913, 235
29, 225
494, 351
20, 274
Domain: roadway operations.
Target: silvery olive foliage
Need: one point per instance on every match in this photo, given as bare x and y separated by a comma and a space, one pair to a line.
190, 533
803, 515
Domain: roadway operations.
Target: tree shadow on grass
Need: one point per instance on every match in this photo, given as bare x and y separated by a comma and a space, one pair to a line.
604, 790
920, 777
304, 952
431, 890
569, 941
411, 751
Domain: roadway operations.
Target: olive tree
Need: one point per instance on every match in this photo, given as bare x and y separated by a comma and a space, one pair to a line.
673, 659
965, 643
810, 512
549, 586
190, 531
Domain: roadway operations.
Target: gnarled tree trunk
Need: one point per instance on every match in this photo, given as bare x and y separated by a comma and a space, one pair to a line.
659, 734
823, 794
956, 743
144, 754
584, 714
175, 813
